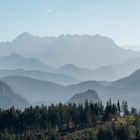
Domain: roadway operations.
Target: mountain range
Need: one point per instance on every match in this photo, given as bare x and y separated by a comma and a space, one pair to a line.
36, 70
40, 75
15, 64
106, 72
14, 61
43, 91
82, 50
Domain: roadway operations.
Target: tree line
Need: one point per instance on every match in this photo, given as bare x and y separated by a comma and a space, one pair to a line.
58, 121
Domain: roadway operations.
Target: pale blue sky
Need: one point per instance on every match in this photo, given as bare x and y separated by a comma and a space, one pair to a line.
118, 19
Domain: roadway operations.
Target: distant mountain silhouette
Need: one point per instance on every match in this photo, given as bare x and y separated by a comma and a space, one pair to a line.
67, 74
89, 95
78, 72
106, 72
34, 90
127, 88
116, 71
8, 98
14, 61
82, 50
41, 75
128, 81
38, 91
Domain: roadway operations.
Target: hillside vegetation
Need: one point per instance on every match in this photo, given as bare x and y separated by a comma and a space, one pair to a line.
91, 121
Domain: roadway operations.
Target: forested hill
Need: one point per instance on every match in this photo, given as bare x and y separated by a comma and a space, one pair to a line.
91, 121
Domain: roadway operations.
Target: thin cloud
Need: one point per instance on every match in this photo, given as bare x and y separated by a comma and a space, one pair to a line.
50, 10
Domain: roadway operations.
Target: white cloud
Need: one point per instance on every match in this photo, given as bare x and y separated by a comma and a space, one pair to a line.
50, 10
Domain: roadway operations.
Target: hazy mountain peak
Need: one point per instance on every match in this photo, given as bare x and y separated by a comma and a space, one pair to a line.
11, 57
13, 54
80, 98
69, 65
24, 37
97, 35
25, 34
91, 92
